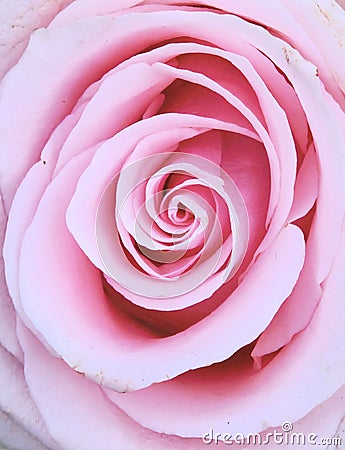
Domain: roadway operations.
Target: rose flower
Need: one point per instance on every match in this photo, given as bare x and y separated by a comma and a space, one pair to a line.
172, 177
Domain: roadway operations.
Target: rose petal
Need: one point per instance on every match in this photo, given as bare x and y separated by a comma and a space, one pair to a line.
16, 403
323, 22
122, 99
13, 436
293, 316
297, 310
245, 160
90, 420
80, 9
8, 338
306, 186
18, 21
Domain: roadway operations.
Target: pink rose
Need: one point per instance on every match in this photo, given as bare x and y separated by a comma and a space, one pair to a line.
172, 184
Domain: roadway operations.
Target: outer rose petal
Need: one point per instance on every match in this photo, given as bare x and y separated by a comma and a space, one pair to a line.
20, 423
80, 9
90, 421
8, 336
325, 421
13, 436
323, 22
18, 20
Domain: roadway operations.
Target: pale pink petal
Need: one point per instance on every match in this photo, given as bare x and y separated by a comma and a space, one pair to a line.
21, 215
323, 22
18, 21
120, 100
80, 9
227, 70
245, 160
306, 186
323, 427
17, 404
297, 310
49, 98
294, 314
8, 338
89, 420
14, 436
325, 421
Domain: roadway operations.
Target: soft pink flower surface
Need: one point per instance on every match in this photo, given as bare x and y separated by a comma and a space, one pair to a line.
172, 179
